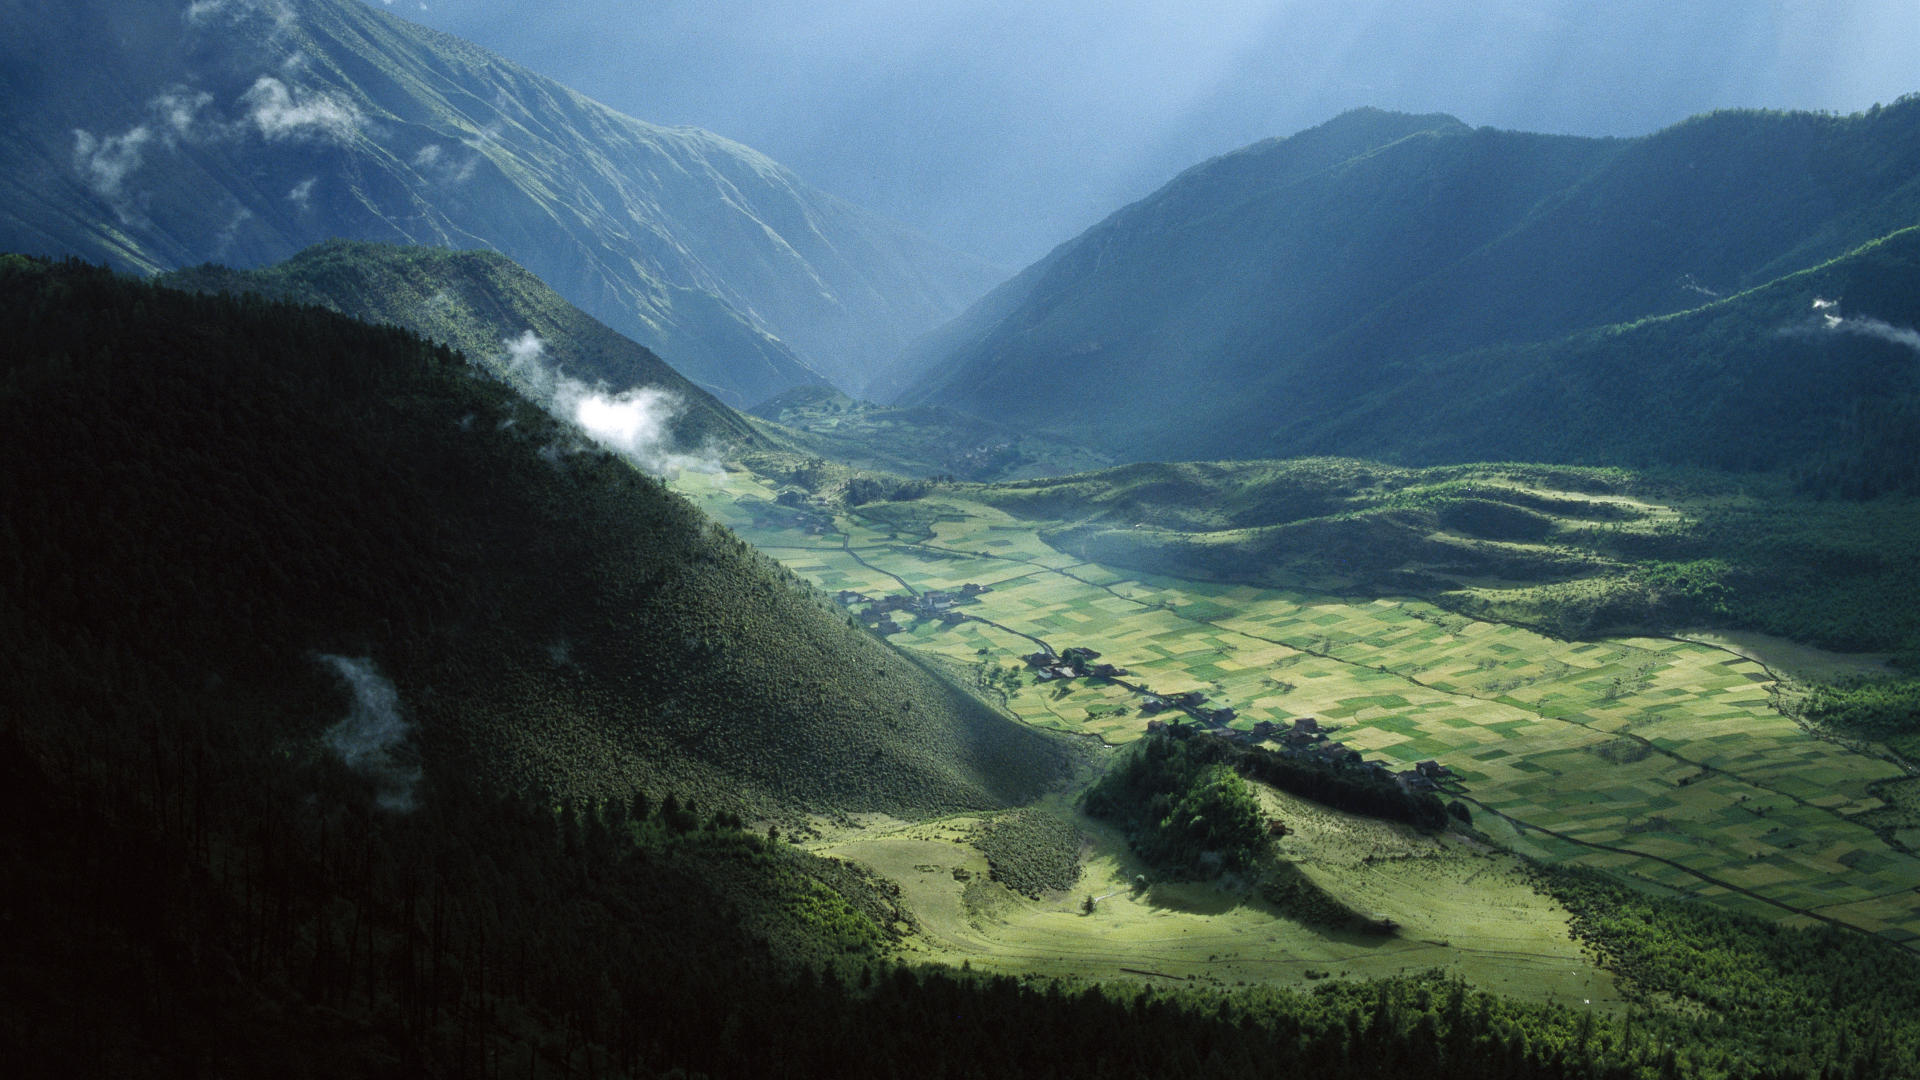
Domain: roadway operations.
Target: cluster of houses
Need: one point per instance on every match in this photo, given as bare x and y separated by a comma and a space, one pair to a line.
1075, 663
1305, 740
928, 605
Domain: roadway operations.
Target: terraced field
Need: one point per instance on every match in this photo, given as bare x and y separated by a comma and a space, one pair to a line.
1662, 760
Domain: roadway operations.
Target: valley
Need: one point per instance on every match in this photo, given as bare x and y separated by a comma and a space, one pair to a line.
1665, 761
495, 586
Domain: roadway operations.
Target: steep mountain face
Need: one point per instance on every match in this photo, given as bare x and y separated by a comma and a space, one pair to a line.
162, 135
245, 517
497, 313
1273, 289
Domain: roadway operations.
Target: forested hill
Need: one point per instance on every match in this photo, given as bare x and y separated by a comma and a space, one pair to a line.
1332, 283
160, 134
206, 495
484, 305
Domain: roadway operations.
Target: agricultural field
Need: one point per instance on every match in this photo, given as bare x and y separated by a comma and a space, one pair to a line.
1664, 761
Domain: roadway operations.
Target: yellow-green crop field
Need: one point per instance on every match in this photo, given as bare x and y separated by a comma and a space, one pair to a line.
1661, 760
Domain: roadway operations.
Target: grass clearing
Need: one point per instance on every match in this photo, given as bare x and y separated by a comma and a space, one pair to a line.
1466, 909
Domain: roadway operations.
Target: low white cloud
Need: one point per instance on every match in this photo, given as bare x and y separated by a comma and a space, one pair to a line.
223, 240
179, 110
434, 162
371, 740
301, 194
105, 162
526, 367
1865, 326
636, 423
277, 12
279, 112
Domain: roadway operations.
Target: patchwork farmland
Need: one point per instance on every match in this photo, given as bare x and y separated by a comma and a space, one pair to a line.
1662, 760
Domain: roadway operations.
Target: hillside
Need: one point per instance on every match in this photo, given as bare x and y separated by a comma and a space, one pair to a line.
165, 135
234, 488
1576, 552
484, 305
1332, 284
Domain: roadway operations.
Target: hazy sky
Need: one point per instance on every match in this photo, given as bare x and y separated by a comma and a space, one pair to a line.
1003, 127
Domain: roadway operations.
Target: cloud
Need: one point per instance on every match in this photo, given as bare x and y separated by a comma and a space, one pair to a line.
279, 112
179, 110
1865, 326
525, 366
105, 162
636, 423
278, 12
230, 232
372, 739
302, 193
433, 160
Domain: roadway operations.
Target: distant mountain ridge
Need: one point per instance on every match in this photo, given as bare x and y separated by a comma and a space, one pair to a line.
163, 135
1280, 290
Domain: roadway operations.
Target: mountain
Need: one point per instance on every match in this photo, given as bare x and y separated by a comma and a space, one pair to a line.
230, 509
490, 308
1278, 291
164, 135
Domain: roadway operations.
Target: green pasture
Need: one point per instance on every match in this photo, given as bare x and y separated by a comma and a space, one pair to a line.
1470, 911
1661, 760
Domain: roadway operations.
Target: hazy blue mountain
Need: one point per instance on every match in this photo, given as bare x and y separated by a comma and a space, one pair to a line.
166, 134
1264, 298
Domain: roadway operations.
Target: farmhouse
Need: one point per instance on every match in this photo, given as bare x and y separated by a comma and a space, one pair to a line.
1153, 703
1433, 769
1335, 753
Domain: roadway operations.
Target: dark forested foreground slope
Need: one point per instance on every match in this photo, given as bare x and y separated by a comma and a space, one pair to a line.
204, 495
486, 306
1403, 286
160, 134
297, 614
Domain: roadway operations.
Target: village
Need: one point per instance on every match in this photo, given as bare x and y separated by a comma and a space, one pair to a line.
1302, 739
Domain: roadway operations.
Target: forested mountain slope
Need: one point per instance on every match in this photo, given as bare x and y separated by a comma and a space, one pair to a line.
164, 135
1285, 290
207, 496
491, 309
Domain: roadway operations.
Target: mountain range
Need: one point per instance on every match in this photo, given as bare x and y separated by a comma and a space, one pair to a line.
161, 135
1317, 294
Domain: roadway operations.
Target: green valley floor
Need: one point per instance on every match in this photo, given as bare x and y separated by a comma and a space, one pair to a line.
1665, 761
